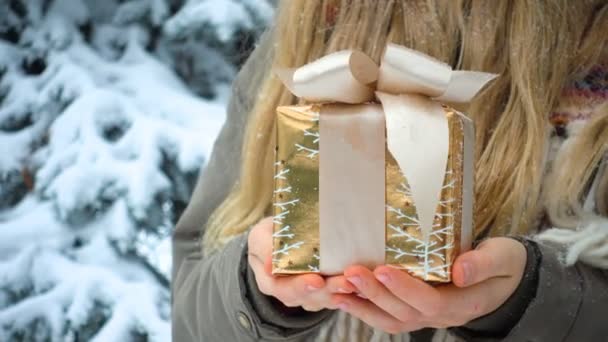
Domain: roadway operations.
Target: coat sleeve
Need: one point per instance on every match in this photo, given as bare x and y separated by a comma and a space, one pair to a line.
567, 304
571, 303
554, 302
214, 298
212, 303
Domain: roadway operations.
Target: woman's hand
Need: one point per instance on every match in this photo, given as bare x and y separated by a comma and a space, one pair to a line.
309, 291
483, 279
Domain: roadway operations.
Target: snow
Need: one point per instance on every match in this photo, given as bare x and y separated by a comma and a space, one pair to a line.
101, 141
71, 290
158, 118
156, 10
225, 16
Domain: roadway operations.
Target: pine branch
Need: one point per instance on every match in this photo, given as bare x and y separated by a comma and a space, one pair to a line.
444, 203
281, 233
311, 152
285, 250
405, 189
400, 252
313, 268
285, 205
281, 174
280, 190
307, 133
442, 215
449, 230
278, 219
403, 233
402, 215
443, 247
449, 185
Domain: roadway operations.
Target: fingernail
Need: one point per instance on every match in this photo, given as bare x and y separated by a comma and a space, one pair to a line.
356, 280
312, 288
467, 270
383, 278
343, 290
342, 306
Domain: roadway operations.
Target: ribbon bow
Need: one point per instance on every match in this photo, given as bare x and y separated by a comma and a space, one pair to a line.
348, 76
409, 86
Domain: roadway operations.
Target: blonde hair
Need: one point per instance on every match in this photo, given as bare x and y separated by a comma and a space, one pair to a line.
535, 46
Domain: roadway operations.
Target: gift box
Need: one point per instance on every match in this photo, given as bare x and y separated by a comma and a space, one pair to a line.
376, 169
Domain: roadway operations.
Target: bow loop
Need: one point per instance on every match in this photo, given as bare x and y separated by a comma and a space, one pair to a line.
348, 77
343, 76
406, 71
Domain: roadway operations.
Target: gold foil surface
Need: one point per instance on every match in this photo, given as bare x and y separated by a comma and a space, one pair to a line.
405, 246
296, 203
296, 191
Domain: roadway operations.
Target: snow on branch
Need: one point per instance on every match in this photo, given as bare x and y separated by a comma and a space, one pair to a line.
102, 137
64, 290
135, 10
226, 17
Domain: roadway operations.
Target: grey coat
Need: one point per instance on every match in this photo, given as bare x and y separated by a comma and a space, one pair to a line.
216, 299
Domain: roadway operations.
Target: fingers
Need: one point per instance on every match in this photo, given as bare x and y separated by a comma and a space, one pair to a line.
496, 257
369, 313
296, 290
418, 294
462, 305
290, 290
339, 284
376, 292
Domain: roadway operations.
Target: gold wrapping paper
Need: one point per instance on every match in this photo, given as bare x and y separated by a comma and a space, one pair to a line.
296, 202
296, 191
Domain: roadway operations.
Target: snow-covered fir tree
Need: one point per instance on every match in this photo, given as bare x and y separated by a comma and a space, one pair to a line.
107, 111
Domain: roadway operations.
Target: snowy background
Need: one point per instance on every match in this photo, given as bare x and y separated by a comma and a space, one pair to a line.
108, 109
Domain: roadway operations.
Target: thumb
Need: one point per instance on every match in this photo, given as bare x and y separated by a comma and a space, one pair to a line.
260, 239
495, 257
